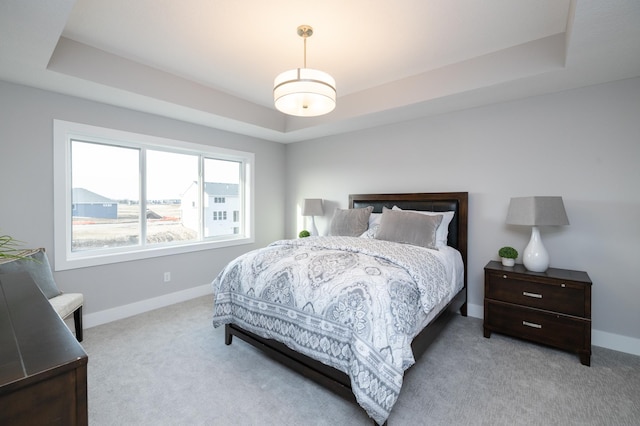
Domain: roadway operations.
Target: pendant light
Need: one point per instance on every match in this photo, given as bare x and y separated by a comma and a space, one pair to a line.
304, 92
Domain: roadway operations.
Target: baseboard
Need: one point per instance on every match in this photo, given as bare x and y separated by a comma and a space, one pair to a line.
114, 314
616, 342
476, 311
599, 338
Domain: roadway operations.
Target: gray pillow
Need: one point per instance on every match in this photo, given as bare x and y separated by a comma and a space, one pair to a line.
350, 222
409, 227
39, 269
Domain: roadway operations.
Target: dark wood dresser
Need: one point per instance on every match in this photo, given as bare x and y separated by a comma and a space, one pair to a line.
43, 368
551, 307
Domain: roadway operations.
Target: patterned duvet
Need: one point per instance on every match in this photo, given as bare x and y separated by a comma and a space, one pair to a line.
352, 303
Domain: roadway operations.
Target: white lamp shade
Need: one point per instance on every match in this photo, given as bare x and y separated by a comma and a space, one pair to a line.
304, 92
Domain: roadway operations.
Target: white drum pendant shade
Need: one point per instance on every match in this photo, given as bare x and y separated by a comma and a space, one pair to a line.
304, 92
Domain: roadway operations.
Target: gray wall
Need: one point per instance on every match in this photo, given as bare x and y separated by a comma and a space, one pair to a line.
26, 195
581, 144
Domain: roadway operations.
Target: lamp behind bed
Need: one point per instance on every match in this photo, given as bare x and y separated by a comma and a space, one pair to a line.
312, 207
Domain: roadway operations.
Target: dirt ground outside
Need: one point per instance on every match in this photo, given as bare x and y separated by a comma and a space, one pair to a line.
164, 224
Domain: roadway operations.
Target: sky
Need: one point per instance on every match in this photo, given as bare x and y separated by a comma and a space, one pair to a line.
113, 172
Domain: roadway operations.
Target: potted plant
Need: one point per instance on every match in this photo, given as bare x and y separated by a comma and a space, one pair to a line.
304, 233
508, 255
9, 248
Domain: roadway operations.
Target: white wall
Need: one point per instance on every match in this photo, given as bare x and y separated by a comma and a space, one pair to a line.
583, 145
26, 197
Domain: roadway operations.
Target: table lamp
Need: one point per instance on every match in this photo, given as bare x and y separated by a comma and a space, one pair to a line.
535, 212
312, 207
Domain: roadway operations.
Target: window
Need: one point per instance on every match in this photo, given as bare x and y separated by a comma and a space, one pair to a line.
221, 215
122, 196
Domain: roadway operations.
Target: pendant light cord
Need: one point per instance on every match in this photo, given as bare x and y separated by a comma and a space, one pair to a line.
305, 31
305, 52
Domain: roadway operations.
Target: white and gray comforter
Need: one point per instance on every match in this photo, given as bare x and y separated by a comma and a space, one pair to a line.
352, 303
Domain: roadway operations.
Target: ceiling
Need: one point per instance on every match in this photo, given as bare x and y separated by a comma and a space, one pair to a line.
212, 62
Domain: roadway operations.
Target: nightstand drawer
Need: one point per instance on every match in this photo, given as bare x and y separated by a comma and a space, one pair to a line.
542, 327
563, 297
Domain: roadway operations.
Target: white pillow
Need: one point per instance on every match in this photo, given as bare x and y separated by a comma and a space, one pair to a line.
374, 224
374, 219
371, 232
442, 232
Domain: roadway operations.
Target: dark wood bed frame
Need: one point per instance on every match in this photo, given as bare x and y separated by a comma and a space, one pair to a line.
336, 380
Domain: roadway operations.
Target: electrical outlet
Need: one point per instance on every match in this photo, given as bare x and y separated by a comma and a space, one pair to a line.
167, 277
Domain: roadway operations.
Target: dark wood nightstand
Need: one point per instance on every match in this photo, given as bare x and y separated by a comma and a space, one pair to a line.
552, 307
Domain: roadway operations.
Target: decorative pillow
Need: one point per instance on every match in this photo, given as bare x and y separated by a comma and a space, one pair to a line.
409, 228
38, 267
350, 222
442, 233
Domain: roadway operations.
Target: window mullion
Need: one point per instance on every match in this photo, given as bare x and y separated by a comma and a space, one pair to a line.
243, 204
202, 197
143, 196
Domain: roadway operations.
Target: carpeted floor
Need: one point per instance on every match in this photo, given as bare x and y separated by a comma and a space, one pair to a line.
171, 367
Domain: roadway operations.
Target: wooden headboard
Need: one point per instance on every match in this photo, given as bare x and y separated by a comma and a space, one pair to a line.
432, 201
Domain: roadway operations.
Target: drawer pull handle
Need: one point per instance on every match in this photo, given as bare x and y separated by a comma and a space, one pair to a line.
504, 277
536, 295
531, 324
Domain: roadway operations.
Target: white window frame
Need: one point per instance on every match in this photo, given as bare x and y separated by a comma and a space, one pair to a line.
64, 132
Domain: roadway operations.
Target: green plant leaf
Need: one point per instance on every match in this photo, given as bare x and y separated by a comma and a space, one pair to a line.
508, 252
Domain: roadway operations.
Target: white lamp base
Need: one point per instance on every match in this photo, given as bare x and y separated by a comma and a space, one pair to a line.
314, 230
536, 257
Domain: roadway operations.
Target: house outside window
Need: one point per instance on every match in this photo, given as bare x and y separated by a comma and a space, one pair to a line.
122, 196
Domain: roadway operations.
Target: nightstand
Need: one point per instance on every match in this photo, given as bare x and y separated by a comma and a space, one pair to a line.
551, 307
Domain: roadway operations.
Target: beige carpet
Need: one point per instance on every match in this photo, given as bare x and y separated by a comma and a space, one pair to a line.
171, 367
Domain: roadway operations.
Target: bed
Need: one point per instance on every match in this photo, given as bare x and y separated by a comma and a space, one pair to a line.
327, 318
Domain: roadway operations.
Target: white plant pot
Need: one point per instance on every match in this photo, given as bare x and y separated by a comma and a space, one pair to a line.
508, 262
